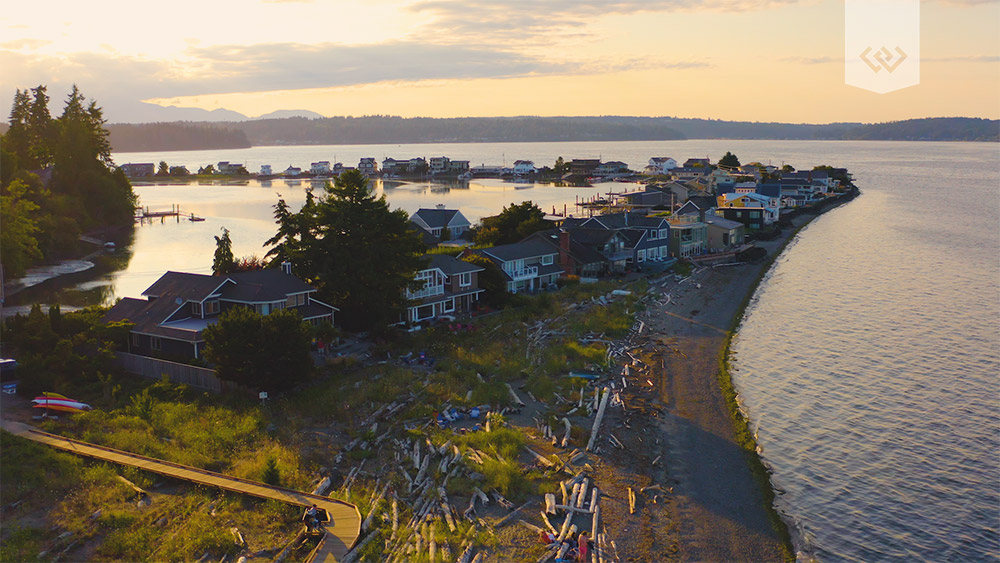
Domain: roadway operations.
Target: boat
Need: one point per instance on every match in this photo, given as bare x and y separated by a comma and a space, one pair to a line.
57, 402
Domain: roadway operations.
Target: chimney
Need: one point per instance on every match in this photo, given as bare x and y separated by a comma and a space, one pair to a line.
564, 250
286, 267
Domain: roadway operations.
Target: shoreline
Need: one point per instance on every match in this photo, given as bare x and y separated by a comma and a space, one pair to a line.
723, 502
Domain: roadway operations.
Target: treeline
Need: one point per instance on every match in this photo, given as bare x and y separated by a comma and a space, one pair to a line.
134, 137
391, 129
930, 129
57, 180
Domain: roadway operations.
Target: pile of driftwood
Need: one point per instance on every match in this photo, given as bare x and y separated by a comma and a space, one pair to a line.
579, 505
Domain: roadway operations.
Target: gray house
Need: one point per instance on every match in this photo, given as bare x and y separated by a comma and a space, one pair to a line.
179, 306
529, 265
436, 221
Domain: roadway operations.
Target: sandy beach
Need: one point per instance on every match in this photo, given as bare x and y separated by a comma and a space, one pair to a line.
710, 507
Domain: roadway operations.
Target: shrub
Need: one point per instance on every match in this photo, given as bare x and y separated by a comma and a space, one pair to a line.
271, 474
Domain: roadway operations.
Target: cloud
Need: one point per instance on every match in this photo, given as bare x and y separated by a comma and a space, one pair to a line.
504, 20
24, 44
812, 60
962, 59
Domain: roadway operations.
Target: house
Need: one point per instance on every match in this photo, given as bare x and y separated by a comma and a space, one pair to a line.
700, 206
408, 166
138, 169
529, 265
612, 168
451, 287
226, 167
292, 171
458, 166
651, 196
265, 170
754, 210
652, 245
688, 236
688, 173
321, 168
436, 221
179, 171
486, 170
439, 164
179, 306
524, 167
368, 166
575, 258
724, 234
697, 162
583, 166
660, 165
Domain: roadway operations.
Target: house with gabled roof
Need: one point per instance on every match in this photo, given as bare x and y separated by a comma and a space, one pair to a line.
169, 322
437, 220
648, 242
529, 265
450, 287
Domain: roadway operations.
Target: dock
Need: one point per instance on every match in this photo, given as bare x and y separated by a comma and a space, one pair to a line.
143, 214
341, 532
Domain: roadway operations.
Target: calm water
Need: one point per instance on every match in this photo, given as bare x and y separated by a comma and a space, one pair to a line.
868, 361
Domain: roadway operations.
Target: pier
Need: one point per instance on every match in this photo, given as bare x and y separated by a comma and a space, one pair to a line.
143, 214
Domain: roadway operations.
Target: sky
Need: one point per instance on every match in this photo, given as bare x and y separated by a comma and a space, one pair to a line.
752, 60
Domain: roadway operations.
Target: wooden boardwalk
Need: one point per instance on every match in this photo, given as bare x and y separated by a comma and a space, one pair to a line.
341, 532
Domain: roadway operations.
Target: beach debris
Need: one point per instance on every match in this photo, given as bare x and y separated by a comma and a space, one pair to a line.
631, 500
597, 420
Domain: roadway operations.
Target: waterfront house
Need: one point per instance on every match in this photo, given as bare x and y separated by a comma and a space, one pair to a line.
688, 236
450, 287
438, 164
226, 167
486, 170
724, 234
169, 322
458, 166
265, 170
575, 258
767, 206
292, 171
697, 162
406, 166
178, 171
138, 169
646, 236
687, 173
524, 167
368, 166
321, 168
583, 166
529, 265
660, 165
437, 221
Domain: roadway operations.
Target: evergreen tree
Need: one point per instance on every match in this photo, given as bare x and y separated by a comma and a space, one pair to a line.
359, 254
729, 160
224, 261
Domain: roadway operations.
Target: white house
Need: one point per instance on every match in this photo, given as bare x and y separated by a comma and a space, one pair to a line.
368, 166
660, 165
320, 168
293, 171
265, 170
523, 167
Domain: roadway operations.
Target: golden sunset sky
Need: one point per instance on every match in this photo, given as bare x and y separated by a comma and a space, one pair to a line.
723, 59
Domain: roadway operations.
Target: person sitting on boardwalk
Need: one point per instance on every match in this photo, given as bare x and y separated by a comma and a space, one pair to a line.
312, 517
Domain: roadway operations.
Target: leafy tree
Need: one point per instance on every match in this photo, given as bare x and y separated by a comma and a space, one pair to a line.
18, 241
249, 264
729, 160
263, 352
788, 168
491, 279
209, 170
561, 167
223, 263
359, 254
514, 223
162, 169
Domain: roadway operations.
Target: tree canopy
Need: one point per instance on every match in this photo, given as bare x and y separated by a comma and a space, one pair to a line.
262, 352
347, 243
514, 223
729, 159
63, 168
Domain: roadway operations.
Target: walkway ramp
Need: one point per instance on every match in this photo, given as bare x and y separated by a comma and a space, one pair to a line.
345, 520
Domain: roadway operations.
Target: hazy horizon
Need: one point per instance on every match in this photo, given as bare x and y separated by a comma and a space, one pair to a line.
735, 60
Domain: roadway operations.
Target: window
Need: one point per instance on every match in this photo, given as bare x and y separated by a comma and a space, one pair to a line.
547, 260
196, 309
211, 307
449, 306
154, 343
465, 280
652, 235
642, 256
663, 233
